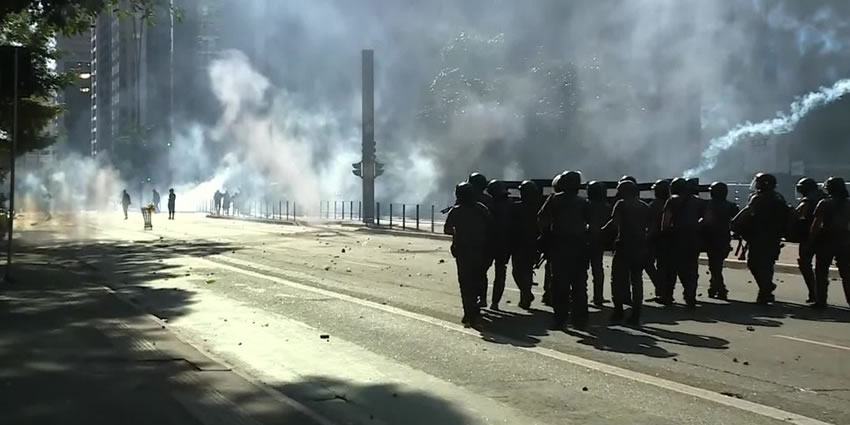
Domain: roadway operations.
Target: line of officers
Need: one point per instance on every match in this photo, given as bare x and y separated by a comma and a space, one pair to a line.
663, 237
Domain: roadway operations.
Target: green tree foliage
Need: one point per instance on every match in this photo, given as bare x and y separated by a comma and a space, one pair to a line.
35, 24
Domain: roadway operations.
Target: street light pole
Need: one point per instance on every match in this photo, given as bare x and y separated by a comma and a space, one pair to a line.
12, 152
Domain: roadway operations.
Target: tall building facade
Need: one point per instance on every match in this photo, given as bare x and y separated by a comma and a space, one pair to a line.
76, 99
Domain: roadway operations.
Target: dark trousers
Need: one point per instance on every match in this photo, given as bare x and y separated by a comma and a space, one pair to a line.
651, 267
597, 252
171, 213
569, 283
805, 255
628, 280
717, 254
500, 270
665, 276
482, 287
471, 272
761, 260
547, 281
685, 263
825, 256
522, 269
125, 206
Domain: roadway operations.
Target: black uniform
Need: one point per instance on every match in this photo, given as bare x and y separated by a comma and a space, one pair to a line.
804, 216
125, 202
682, 212
717, 239
470, 225
632, 217
172, 201
502, 215
832, 243
600, 213
567, 215
524, 250
217, 201
763, 223
659, 264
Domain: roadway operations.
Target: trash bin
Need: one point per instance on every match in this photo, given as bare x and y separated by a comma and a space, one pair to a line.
146, 215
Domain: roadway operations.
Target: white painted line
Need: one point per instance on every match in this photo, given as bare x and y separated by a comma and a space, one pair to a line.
808, 341
748, 406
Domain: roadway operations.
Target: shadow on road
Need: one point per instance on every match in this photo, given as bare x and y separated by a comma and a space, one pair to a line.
386, 402
74, 353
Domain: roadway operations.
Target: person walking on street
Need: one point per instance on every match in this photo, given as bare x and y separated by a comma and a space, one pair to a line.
600, 213
125, 202
502, 214
804, 215
156, 200
566, 215
524, 239
763, 223
830, 234
172, 199
217, 202
631, 216
470, 224
717, 236
680, 220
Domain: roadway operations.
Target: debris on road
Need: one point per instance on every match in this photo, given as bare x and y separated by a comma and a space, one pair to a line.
327, 268
584, 388
735, 360
325, 336
210, 281
746, 363
751, 329
343, 250
348, 269
441, 261
731, 394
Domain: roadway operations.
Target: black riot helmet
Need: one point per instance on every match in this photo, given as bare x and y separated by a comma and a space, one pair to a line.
693, 186
661, 189
478, 181
464, 193
571, 180
678, 186
556, 184
627, 189
764, 182
719, 191
628, 178
835, 187
806, 185
596, 190
497, 189
529, 191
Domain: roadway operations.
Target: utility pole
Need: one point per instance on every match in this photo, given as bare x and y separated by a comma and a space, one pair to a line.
368, 155
12, 153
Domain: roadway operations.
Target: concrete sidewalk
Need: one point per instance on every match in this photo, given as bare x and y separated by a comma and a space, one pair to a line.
75, 353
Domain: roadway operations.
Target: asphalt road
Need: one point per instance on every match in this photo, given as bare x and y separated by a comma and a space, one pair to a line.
364, 328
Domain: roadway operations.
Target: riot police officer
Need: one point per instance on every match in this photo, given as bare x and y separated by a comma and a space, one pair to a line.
680, 220
763, 223
717, 236
632, 217
804, 214
524, 238
545, 247
479, 184
566, 215
600, 213
500, 241
831, 238
470, 225
658, 265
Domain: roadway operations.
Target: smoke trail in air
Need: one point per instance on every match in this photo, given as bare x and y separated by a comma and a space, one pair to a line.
782, 123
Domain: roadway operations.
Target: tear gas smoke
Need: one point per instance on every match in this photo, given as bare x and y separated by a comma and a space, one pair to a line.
782, 123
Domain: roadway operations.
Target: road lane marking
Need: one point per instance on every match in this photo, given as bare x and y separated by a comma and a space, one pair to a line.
808, 341
236, 265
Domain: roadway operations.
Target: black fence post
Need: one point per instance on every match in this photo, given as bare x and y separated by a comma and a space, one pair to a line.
360, 210
351, 210
343, 210
280, 210
391, 215
404, 216
377, 213
432, 218
287, 210
294, 212
334, 210
417, 216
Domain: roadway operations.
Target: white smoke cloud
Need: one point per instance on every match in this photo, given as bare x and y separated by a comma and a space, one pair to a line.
782, 123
